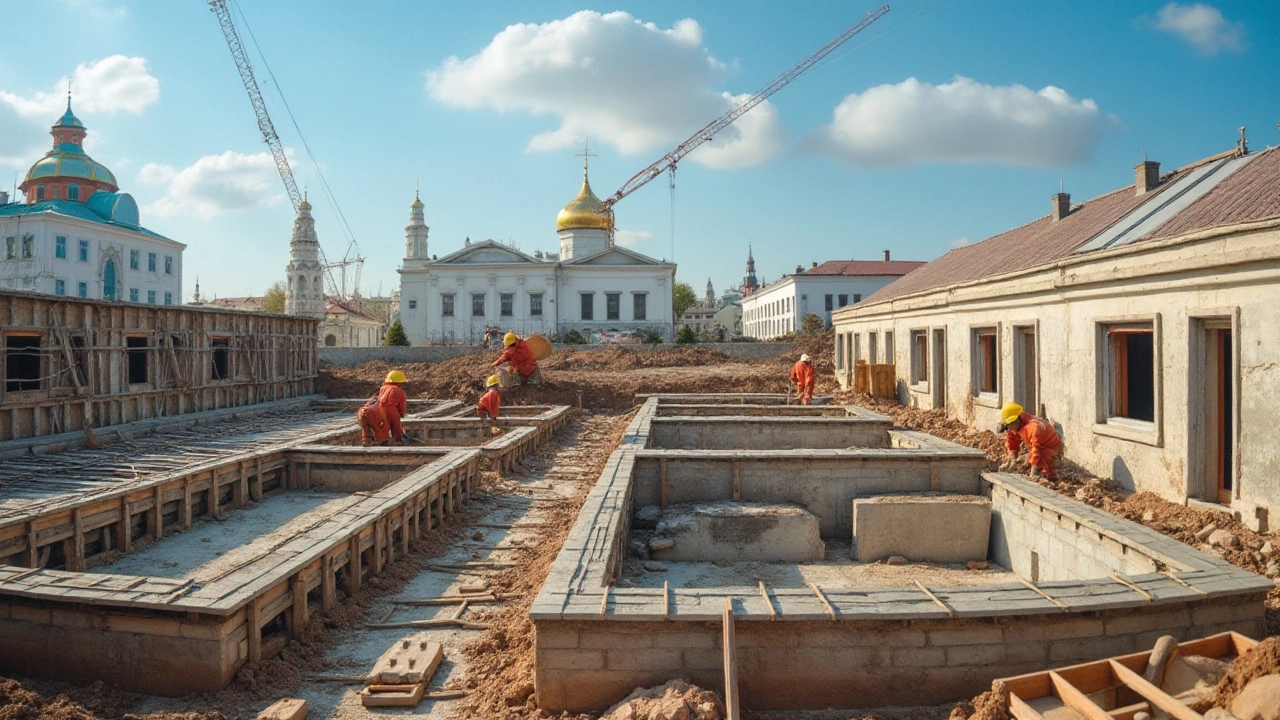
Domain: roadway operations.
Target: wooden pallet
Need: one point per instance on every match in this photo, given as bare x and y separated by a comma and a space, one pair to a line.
400, 676
1114, 688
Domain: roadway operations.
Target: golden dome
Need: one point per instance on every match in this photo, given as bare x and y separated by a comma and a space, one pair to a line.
585, 211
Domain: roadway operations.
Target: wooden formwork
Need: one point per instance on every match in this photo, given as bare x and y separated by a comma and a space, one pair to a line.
67, 364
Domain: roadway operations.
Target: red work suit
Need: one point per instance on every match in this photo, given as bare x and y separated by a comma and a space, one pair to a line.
380, 417
520, 357
802, 377
1043, 444
489, 404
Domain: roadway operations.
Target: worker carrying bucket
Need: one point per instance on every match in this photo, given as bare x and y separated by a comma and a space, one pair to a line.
518, 363
1044, 447
379, 418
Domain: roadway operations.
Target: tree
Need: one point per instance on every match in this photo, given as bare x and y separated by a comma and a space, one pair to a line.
812, 325
686, 335
682, 298
273, 300
395, 334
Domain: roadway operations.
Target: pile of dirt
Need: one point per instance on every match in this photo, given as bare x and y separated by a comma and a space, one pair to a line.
1263, 659
98, 701
618, 358
990, 705
676, 699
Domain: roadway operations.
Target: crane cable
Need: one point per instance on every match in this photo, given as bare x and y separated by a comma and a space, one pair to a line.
324, 183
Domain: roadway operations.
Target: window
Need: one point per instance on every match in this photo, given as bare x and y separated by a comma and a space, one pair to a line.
28, 247
638, 307
829, 307
73, 192
413, 304
10, 248
133, 259
168, 298
82, 289
506, 303
871, 347
857, 297
888, 346
844, 300
151, 297
151, 262
919, 356
59, 287
168, 264
612, 306
986, 361
588, 305
133, 294
446, 305
1131, 372
535, 304
84, 251
840, 350
136, 351
221, 368
21, 363
477, 304
39, 193
60, 247
857, 348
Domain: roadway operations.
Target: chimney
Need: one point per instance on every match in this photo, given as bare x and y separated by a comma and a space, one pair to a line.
815, 264
1147, 176
1061, 205
886, 256
799, 269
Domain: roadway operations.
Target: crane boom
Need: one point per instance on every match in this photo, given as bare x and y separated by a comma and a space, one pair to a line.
670, 159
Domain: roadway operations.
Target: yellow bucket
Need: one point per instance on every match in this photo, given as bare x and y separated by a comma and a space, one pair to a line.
540, 346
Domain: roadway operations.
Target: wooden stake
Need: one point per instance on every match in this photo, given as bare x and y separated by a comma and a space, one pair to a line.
1041, 593
604, 601
730, 664
1184, 583
773, 614
1120, 578
817, 591
666, 600
944, 606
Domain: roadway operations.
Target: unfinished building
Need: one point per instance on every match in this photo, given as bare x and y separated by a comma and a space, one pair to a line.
720, 509
1141, 323
73, 365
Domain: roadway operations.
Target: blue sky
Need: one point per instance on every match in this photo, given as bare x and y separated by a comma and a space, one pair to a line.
943, 123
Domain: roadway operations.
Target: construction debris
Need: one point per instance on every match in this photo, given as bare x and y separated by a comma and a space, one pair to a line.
401, 675
675, 699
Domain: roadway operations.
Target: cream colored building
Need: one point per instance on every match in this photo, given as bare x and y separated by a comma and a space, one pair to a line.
1142, 323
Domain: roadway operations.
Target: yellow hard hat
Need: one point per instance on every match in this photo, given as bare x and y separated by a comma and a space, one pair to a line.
396, 377
493, 380
1010, 413
509, 339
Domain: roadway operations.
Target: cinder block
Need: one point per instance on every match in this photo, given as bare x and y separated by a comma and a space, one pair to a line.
1142, 622
605, 640
1213, 615
918, 657
555, 639
976, 654
685, 640
1090, 649
1046, 629
981, 635
642, 659
72, 618
701, 659
571, 659
959, 527
27, 613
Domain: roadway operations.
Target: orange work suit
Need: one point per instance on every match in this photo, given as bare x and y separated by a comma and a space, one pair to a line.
521, 358
380, 417
1043, 444
802, 377
488, 406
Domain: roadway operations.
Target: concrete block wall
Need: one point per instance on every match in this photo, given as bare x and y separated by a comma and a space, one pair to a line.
769, 433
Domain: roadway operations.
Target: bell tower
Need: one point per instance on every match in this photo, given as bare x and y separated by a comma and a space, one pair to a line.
304, 294
415, 235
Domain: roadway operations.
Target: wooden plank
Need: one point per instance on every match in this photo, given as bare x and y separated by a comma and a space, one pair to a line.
1158, 697
286, 709
818, 591
1041, 593
1184, 583
391, 695
737, 481
935, 599
411, 661
666, 600
604, 600
1076, 700
1020, 710
773, 614
731, 702
1128, 711
254, 619
1120, 578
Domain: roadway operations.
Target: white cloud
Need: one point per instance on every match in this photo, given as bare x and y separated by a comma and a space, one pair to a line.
632, 238
960, 242
963, 121
1202, 26
627, 83
111, 85
213, 185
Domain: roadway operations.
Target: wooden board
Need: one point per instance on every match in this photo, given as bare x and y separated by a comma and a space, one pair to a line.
392, 695
286, 709
412, 661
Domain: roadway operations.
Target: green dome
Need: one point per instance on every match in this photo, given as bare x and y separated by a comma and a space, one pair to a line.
69, 118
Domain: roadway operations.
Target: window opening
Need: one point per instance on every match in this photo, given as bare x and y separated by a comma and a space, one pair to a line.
221, 358
588, 306
612, 306
535, 304
21, 363
477, 304
986, 360
136, 351
919, 356
507, 304
1132, 371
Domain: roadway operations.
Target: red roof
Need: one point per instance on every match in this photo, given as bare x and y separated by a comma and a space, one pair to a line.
1252, 193
865, 267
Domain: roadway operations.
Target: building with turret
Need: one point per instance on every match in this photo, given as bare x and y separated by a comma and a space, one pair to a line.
749, 282
590, 286
76, 234
304, 275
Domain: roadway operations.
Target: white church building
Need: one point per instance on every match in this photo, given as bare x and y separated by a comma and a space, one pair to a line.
589, 286
77, 235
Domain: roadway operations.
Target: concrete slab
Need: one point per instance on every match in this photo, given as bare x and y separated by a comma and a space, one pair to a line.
737, 532
938, 528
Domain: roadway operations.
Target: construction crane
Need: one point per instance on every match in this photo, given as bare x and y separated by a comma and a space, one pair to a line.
339, 290
668, 162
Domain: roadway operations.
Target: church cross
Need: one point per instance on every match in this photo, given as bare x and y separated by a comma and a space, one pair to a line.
586, 154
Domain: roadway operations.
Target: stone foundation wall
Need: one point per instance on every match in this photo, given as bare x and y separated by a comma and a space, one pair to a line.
769, 433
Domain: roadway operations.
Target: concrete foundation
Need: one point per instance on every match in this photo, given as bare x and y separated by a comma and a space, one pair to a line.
738, 532
927, 528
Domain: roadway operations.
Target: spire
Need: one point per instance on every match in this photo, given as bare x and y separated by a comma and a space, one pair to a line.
586, 156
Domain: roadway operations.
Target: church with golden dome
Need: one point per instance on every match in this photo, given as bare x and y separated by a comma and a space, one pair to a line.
590, 285
76, 234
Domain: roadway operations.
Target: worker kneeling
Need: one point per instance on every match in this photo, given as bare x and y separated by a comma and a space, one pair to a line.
380, 417
518, 354
1044, 447
802, 378
491, 401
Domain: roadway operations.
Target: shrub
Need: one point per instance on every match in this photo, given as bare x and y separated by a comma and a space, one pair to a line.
649, 336
686, 335
395, 334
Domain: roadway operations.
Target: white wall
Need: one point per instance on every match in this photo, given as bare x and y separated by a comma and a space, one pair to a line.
1175, 285
779, 308
426, 323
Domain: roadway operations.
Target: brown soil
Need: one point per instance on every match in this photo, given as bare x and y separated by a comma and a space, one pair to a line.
1261, 660
94, 702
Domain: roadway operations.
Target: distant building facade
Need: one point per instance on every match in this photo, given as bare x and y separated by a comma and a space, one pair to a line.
775, 310
76, 235
589, 286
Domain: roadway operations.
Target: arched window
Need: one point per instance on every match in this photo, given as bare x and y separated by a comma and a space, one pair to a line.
39, 193
330, 340
302, 286
73, 192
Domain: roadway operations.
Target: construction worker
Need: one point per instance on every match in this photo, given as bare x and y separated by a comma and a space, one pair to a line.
380, 417
519, 356
1044, 447
802, 378
489, 403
